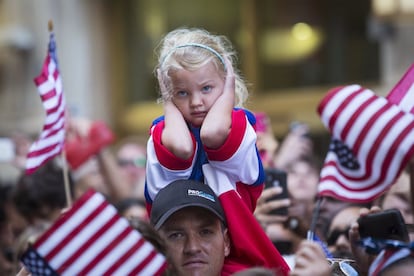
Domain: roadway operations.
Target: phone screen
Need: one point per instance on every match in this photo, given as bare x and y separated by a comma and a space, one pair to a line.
277, 178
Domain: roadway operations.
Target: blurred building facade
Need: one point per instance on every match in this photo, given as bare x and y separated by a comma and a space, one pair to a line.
291, 51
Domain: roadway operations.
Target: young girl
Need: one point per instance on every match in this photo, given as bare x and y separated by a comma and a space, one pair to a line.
206, 135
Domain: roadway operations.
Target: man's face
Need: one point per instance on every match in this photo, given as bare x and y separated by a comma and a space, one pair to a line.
338, 240
196, 242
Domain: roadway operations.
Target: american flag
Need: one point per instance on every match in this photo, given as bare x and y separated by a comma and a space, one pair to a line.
93, 239
372, 141
51, 140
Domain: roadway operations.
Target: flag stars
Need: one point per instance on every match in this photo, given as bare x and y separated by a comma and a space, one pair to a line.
345, 156
35, 264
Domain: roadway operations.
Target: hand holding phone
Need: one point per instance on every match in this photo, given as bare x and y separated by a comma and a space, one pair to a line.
277, 178
386, 225
300, 127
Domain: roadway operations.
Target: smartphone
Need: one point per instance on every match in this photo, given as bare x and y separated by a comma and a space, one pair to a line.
387, 225
277, 178
293, 126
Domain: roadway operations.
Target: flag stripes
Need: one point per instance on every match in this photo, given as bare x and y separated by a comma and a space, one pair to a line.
378, 134
51, 140
93, 239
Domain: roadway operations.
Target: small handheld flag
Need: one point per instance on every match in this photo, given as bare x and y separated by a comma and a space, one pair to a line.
51, 140
372, 140
91, 238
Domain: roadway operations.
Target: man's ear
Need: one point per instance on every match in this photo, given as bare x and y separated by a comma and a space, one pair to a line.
227, 243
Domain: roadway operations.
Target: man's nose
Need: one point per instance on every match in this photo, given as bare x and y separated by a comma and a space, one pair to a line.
192, 244
342, 242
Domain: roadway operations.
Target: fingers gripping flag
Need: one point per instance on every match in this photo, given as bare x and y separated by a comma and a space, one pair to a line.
92, 239
51, 140
372, 141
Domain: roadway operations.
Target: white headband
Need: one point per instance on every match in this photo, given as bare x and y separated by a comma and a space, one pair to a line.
195, 45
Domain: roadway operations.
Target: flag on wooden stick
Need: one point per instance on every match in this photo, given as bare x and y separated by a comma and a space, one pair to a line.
51, 140
91, 238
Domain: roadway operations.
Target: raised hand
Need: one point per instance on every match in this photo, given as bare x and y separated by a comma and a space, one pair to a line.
264, 207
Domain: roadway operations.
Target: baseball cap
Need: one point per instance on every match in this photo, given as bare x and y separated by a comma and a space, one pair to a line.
180, 194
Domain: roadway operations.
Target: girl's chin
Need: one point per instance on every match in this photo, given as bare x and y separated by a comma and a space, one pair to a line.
196, 123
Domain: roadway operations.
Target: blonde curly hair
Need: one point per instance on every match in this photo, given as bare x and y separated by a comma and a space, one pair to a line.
192, 48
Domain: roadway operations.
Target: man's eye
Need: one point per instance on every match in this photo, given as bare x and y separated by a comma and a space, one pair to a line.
174, 236
206, 232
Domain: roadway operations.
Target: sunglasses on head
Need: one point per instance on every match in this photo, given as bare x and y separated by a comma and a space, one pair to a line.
335, 234
342, 267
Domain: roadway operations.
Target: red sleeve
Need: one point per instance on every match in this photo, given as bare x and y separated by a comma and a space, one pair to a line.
249, 194
164, 156
250, 246
233, 141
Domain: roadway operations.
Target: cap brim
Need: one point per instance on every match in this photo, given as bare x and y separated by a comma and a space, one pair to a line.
171, 211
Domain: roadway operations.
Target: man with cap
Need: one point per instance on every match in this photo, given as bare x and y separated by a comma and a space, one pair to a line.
189, 217
208, 234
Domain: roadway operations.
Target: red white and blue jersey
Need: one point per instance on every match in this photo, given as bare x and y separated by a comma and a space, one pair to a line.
235, 173
238, 158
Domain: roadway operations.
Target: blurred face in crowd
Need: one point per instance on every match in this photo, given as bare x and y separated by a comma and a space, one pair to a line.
87, 176
401, 203
196, 241
398, 197
136, 211
303, 180
337, 239
132, 159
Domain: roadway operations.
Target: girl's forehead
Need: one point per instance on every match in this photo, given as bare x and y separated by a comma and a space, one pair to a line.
208, 70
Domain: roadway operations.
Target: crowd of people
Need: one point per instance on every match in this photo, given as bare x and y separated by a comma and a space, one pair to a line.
195, 188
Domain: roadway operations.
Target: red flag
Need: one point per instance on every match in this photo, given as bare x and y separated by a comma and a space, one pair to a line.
51, 140
373, 140
93, 239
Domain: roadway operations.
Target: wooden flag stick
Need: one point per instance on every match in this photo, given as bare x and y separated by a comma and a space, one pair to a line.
315, 215
66, 180
63, 154
50, 25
